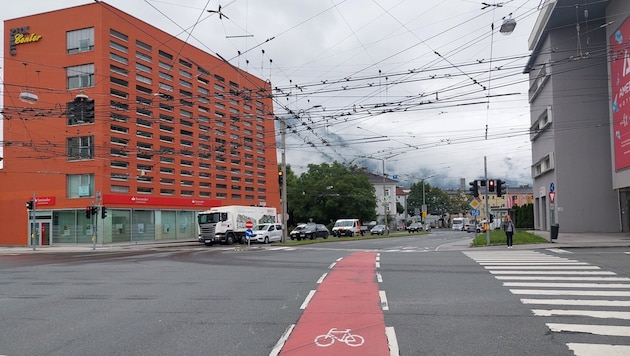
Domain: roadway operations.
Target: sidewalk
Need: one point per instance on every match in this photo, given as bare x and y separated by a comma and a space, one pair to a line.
575, 240
564, 240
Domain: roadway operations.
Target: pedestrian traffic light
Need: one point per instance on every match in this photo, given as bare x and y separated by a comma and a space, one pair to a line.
491, 185
88, 212
94, 210
280, 178
474, 188
29, 205
103, 212
500, 188
491, 218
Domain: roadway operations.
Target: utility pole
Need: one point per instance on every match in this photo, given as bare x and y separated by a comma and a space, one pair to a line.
283, 188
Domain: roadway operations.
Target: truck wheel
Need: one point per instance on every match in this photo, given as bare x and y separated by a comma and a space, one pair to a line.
229, 239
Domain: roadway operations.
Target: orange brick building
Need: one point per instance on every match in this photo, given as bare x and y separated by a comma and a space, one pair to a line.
102, 109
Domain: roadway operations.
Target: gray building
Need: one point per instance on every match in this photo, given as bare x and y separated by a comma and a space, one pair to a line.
578, 181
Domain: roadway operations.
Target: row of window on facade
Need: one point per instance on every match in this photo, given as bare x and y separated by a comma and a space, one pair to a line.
83, 76
82, 186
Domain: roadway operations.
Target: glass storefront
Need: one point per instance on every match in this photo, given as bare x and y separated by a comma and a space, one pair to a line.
121, 225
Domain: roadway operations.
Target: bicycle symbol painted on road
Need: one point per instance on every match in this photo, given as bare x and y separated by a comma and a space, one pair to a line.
339, 335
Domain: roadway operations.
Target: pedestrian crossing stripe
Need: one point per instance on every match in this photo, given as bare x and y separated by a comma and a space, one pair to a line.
532, 273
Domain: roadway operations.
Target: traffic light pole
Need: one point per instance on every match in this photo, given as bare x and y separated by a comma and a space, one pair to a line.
33, 221
485, 172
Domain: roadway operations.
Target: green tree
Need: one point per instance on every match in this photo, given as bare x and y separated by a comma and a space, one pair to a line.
436, 199
523, 216
328, 192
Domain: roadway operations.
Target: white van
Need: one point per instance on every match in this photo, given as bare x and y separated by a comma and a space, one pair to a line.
459, 223
347, 227
266, 233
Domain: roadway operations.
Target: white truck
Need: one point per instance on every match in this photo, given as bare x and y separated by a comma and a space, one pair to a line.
227, 224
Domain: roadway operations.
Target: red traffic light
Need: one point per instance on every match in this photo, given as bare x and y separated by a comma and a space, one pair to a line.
491, 185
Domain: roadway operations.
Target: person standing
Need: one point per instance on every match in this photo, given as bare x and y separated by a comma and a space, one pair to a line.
508, 227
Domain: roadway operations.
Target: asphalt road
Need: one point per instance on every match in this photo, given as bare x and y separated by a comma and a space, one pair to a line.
441, 298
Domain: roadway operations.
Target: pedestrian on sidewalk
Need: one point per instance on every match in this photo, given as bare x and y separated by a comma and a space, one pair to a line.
508, 227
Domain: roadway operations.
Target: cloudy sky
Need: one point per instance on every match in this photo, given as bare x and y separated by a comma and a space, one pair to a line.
426, 88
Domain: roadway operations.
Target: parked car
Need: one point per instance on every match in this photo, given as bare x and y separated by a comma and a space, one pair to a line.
415, 227
474, 228
295, 233
313, 231
266, 233
378, 230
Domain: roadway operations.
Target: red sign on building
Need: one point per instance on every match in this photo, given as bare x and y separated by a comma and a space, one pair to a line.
620, 84
139, 200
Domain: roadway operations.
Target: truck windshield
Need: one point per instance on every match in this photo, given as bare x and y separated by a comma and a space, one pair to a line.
344, 223
209, 218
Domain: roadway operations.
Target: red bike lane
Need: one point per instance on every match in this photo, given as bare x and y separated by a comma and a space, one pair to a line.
344, 316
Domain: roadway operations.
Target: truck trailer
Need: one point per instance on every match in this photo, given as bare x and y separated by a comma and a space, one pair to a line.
227, 224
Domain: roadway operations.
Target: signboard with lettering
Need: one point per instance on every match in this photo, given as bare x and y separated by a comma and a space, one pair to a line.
21, 35
620, 90
149, 200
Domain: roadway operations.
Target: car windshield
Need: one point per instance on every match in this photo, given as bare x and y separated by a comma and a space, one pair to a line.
344, 223
260, 227
299, 228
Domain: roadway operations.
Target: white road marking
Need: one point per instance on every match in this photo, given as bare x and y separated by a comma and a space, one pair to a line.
601, 273
310, 296
563, 278
378, 265
379, 278
280, 344
558, 250
580, 349
566, 285
602, 314
392, 341
533, 263
332, 265
545, 267
321, 279
384, 304
578, 302
605, 293
608, 330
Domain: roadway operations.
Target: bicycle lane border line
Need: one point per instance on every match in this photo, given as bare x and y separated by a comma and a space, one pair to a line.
348, 298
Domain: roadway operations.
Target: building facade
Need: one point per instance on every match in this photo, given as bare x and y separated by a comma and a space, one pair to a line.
579, 163
102, 109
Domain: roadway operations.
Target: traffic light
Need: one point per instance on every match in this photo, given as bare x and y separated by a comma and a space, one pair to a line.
94, 210
103, 212
491, 218
474, 188
88, 212
500, 188
30, 205
280, 178
88, 113
491, 185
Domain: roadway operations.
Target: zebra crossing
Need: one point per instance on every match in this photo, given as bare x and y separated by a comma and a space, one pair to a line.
559, 289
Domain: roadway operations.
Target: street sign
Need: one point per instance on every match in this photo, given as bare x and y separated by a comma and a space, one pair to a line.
249, 224
475, 203
552, 197
552, 187
249, 233
475, 212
